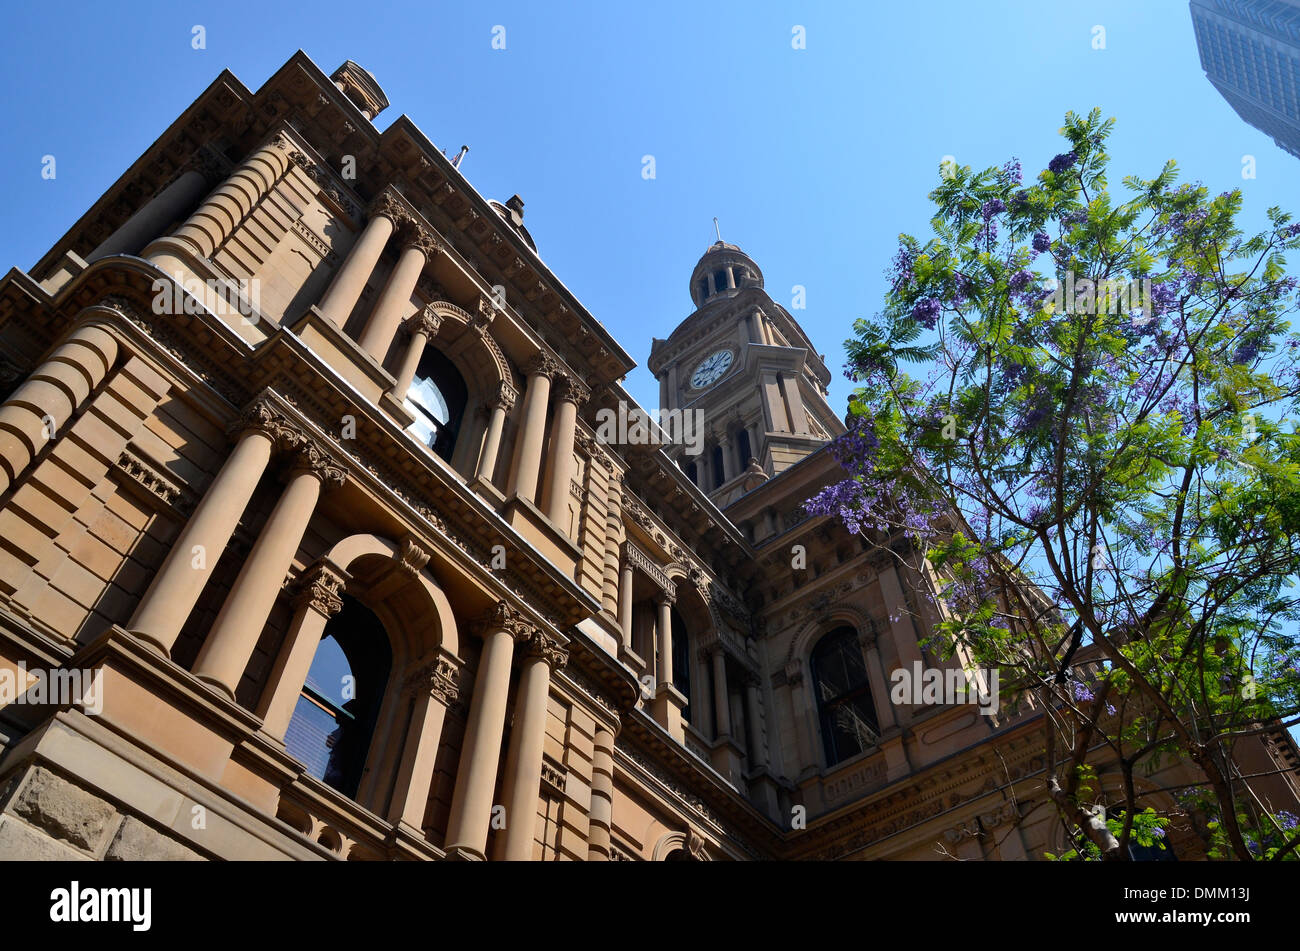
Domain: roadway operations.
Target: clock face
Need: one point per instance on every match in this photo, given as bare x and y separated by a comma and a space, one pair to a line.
711, 369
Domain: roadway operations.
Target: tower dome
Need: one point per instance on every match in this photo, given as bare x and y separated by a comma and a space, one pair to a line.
723, 270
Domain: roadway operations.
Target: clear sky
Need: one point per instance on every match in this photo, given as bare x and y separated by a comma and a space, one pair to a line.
813, 159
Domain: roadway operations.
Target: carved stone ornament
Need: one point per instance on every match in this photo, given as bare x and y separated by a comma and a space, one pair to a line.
387, 205
412, 557
548, 649
261, 416
320, 589
427, 322
441, 678
572, 390
506, 396
310, 457
543, 364
502, 617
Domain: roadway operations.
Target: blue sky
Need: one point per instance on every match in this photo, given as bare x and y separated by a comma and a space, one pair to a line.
813, 160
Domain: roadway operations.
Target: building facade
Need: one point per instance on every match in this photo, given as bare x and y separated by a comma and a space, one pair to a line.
1250, 51
307, 474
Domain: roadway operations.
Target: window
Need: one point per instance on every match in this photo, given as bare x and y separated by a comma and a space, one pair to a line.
332, 724
437, 398
681, 661
844, 705
742, 449
719, 281
718, 472
703, 288
692, 473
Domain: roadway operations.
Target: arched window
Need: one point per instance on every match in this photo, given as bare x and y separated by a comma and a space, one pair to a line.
844, 706
437, 398
335, 717
716, 465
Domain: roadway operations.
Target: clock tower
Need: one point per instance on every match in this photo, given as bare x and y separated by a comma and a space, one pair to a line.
747, 366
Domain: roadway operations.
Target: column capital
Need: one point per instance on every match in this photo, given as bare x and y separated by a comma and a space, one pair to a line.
572, 390
666, 597
505, 396
416, 236
209, 163
441, 678
543, 364
261, 416
386, 204
320, 588
548, 649
311, 457
427, 322
502, 617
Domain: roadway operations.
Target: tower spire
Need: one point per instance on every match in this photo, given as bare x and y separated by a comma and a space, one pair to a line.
715, 228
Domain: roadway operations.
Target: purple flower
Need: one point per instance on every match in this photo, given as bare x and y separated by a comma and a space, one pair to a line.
1011, 171
1082, 694
1158, 833
1246, 353
1019, 200
1164, 296
994, 206
1020, 280
1287, 820
1042, 242
926, 311
1061, 162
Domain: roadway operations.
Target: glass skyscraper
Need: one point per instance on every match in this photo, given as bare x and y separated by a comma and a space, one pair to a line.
1250, 50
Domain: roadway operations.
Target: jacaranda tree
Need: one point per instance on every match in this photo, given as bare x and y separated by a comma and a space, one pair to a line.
1098, 458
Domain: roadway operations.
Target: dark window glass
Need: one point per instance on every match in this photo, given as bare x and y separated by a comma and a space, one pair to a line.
437, 398
334, 719
742, 447
720, 280
681, 662
848, 717
717, 466
692, 473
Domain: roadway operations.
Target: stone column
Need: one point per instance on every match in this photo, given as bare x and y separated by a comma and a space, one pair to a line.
234, 635
418, 248
625, 603
528, 444
317, 600
570, 394
501, 406
721, 703
807, 729
433, 688
350, 279
794, 401
221, 212
422, 326
754, 713
198, 175
664, 628
480, 754
879, 681
601, 813
175, 589
36, 412
523, 776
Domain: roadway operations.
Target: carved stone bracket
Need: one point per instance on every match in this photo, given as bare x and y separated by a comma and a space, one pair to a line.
441, 678
412, 557
572, 390
543, 364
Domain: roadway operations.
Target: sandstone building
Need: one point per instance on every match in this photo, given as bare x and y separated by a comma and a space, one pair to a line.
300, 457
